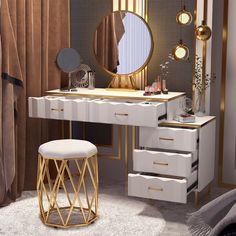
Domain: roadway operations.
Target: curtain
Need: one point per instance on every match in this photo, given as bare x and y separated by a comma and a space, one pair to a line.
32, 33
107, 38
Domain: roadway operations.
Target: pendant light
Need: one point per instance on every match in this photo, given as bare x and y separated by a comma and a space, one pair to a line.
203, 32
184, 17
180, 51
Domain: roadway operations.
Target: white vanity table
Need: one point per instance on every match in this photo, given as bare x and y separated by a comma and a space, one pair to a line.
173, 159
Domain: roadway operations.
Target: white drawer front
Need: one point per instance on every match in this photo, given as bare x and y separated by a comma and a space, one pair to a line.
169, 138
55, 108
126, 113
160, 188
61, 108
165, 163
36, 107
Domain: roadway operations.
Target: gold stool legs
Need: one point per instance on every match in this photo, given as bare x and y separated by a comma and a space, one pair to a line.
72, 202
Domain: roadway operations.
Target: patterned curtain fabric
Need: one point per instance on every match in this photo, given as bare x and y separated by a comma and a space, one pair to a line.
32, 33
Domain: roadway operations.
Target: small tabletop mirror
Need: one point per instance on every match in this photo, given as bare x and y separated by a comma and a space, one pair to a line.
68, 60
123, 43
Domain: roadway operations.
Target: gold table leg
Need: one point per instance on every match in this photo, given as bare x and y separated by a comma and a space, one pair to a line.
196, 196
126, 153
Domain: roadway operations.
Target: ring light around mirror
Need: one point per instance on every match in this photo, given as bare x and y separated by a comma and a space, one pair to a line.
68, 60
123, 43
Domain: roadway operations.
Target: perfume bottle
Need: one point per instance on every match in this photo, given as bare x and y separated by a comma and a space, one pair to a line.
164, 89
91, 79
158, 87
158, 82
147, 91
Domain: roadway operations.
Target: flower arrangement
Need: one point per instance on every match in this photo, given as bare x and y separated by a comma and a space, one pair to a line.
201, 82
165, 66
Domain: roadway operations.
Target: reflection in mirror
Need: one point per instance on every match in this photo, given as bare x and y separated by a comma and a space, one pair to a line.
122, 43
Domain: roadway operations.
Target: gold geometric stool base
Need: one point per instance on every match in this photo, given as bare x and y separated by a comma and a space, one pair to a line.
68, 200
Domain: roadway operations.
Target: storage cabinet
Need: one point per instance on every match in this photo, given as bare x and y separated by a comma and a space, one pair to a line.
173, 160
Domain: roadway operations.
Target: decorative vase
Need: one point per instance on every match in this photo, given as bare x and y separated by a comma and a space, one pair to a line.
200, 109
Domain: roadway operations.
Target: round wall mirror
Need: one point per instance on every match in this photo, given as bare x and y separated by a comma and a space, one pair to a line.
123, 43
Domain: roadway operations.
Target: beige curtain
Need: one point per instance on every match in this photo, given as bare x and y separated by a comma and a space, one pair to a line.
32, 33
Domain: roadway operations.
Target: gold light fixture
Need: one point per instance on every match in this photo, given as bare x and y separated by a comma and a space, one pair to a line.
184, 17
180, 51
203, 32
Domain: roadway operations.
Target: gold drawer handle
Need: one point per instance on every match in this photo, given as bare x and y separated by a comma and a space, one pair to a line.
121, 114
166, 139
54, 109
156, 189
160, 164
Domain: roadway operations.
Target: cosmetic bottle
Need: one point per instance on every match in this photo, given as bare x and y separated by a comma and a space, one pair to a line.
158, 83
164, 89
146, 91
91, 79
158, 87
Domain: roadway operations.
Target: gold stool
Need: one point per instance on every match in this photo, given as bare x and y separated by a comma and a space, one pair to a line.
68, 199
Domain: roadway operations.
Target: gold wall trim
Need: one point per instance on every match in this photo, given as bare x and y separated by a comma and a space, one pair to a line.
222, 97
118, 156
194, 59
101, 145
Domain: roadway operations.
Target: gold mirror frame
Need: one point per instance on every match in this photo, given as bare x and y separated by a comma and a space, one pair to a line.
118, 80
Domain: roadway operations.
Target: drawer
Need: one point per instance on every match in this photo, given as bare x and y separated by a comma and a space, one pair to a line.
126, 112
161, 188
61, 108
169, 138
165, 163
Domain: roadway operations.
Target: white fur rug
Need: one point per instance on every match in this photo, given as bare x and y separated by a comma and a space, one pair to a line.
119, 215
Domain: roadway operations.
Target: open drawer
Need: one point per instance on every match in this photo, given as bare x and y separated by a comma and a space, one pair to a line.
122, 112
169, 138
61, 108
161, 188
166, 163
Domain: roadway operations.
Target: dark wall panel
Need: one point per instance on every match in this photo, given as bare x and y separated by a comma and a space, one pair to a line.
166, 34
85, 17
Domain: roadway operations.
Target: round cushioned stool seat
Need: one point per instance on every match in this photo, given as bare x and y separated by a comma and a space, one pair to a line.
67, 149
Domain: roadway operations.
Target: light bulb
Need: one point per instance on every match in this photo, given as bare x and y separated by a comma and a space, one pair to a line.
181, 52
184, 17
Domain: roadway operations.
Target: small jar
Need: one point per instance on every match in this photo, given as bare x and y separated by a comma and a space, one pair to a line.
91, 79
